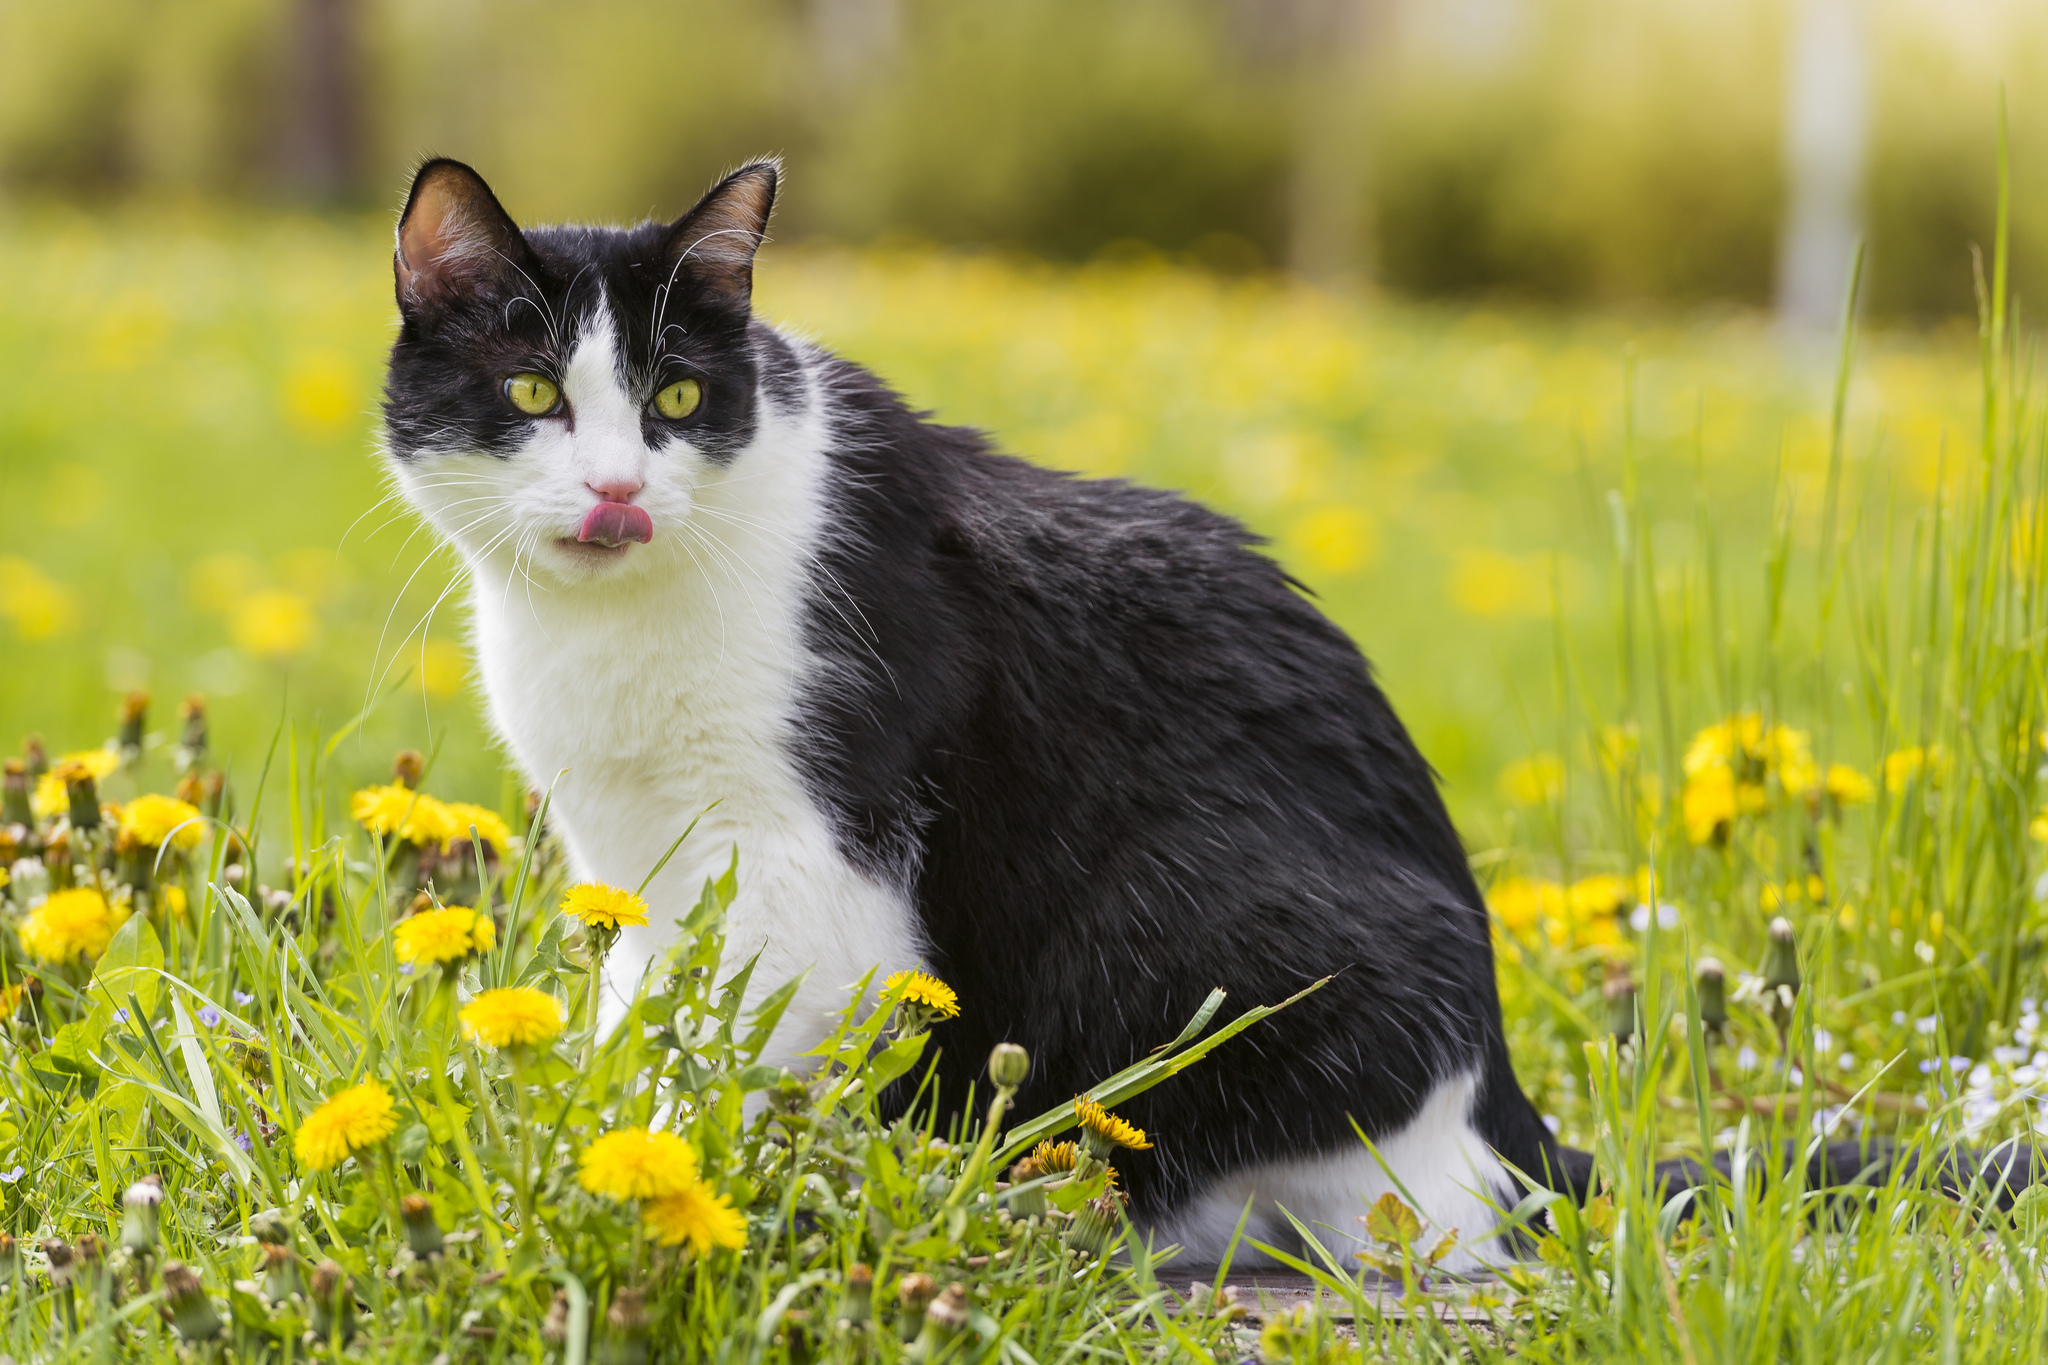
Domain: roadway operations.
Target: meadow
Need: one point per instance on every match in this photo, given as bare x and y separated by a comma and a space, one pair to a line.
1705, 628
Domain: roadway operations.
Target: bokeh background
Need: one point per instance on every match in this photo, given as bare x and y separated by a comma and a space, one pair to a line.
1410, 285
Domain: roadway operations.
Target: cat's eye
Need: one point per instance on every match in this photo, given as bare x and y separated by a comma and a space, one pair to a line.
679, 399
533, 394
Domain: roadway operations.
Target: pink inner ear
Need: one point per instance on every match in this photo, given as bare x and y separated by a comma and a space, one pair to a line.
433, 238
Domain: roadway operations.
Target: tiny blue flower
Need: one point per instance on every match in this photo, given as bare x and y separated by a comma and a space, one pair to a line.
11, 1176
209, 1016
120, 1016
241, 1139
242, 999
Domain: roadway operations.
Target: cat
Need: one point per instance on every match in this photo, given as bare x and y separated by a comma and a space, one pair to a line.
1074, 745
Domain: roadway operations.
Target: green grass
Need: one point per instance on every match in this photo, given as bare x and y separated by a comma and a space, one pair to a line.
1573, 546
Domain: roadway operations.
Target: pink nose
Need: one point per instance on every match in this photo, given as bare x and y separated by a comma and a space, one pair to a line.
615, 490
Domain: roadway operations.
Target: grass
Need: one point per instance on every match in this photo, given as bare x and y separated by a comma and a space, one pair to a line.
1702, 634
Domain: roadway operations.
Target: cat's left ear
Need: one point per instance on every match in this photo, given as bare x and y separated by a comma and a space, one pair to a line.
715, 242
453, 236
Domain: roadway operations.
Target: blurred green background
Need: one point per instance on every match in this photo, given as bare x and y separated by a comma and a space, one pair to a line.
1410, 286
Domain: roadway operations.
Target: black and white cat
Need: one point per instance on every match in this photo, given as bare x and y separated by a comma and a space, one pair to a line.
1073, 744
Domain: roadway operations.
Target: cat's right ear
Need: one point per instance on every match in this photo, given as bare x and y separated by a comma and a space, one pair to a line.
452, 236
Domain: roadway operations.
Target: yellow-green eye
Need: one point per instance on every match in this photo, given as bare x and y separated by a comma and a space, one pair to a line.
532, 395
679, 399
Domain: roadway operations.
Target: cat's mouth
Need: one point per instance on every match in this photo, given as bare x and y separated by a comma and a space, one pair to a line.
612, 526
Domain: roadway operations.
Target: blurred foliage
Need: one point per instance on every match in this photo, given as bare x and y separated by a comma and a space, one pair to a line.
1570, 150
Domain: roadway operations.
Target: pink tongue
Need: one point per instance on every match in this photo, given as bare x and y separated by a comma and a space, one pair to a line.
615, 523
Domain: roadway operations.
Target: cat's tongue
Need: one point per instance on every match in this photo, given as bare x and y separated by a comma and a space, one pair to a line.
612, 524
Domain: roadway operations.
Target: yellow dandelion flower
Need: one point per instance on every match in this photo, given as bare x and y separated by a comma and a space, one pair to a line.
174, 901
1106, 1128
1520, 902
1601, 896
50, 798
638, 1163
512, 1016
696, 1214
358, 1117
1709, 804
1056, 1158
1903, 765
150, 820
275, 623
70, 924
1849, 787
445, 935
415, 817
922, 988
1537, 780
604, 907
2039, 828
490, 828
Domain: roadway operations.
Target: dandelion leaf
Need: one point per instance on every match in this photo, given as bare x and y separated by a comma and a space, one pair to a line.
1391, 1221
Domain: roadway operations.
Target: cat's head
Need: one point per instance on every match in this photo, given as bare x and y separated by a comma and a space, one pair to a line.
556, 395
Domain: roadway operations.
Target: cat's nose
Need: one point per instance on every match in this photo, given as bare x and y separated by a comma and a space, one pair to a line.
616, 490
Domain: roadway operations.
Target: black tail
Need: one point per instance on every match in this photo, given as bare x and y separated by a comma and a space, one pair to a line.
1997, 1174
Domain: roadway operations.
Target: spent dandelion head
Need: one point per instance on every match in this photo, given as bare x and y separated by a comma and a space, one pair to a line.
350, 1121
512, 1016
637, 1163
604, 907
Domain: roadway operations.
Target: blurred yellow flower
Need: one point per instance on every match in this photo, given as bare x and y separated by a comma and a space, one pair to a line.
1903, 765
443, 668
1521, 902
150, 820
1602, 895
1537, 780
319, 391
1337, 540
512, 1016
490, 828
637, 1163
604, 907
413, 816
696, 1214
351, 1120
1738, 766
921, 988
445, 935
70, 924
37, 604
2039, 827
1849, 787
1491, 585
1708, 804
174, 901
275, 623
217, 582
50, 799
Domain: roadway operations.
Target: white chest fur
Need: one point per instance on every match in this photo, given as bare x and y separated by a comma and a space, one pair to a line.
669, 695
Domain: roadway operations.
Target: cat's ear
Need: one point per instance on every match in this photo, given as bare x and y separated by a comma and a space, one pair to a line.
452, 236
715, 242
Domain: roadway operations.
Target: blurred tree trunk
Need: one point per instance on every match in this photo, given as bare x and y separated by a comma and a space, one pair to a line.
321, 99
1826, 103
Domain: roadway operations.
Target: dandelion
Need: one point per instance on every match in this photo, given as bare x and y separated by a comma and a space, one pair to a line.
698, 1215
1848, 787
490, 827
51, 798
512, 1016
1102, 1132
445, 935
604, 907
637, 1163
925, 991
1056, 1158
275, 623
152, 820
1902, 766
351, 1120
413, 817
70, 924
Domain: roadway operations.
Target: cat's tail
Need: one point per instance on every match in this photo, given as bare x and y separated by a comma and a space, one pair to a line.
1995, 1175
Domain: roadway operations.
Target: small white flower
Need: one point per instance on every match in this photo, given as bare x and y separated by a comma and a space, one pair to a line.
1553, 1123
1823, 1041
2008, 1056
1960, 1064
1748, 986
1746, 1059
1668, 916
1639, 919
1795, 1077
1926, 1027
1924, 950
2041, 888
1899, 1018
1847, 1061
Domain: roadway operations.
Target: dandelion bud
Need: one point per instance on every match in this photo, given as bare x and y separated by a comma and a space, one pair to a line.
134, 718
14, 807
857, 1298
407, 767
334, 1302
186, 1305
1008, 1065
1027, 1203
57, 1252
10, 1259
269, 1228
84, 793
1712, 983
943, 1321
192, 744
554, 1328
139, 1214
625, 1341
213, 794
1095, 1223
36, 756
1618, 989
280, 1272
913, 1293
1781, 963
422, 1233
